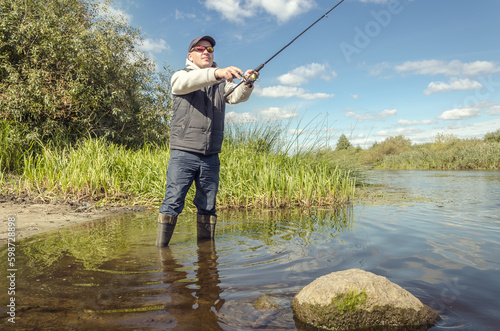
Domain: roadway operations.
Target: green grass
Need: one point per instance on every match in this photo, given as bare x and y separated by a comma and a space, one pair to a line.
446, 153
461, 155
256, 172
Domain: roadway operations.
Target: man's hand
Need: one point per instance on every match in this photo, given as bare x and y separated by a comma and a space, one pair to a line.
250, 77
228, 73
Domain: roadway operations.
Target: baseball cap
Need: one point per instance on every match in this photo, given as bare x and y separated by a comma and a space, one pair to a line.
196, 40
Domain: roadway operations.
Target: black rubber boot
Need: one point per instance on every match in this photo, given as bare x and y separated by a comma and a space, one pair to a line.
166, 226
206, 226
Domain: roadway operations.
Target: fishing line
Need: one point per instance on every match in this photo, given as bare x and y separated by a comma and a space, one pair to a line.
252, 78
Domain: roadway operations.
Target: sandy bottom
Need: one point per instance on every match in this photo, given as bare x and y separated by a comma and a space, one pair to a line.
36, 218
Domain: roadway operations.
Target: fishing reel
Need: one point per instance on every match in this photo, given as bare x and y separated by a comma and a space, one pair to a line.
251, 79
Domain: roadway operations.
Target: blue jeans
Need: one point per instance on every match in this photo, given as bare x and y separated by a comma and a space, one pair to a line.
184, 168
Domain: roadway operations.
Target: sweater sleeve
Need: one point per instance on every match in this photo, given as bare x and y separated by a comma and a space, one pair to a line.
240, 94
187, 81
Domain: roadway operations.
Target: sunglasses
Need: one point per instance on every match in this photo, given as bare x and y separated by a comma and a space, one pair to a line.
202, 49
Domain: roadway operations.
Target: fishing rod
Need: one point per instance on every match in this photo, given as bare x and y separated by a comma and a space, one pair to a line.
253, 77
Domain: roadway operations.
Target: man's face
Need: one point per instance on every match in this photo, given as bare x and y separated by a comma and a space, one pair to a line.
202, 59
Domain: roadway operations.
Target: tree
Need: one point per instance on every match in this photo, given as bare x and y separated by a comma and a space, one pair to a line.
343, 143
69, 69
492, 136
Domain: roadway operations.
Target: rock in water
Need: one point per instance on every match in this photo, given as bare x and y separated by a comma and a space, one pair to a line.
356, 298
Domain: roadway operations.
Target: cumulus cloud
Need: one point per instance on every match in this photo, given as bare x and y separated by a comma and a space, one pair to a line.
154, 46
233, 117
460, 113
276, 113
113, 12
302, 75
470, 111
452, 68
266, 114
455, 84
372, 116
494, 110
238, 10
359, 117
388, 113
281, 91
179, 15
410, 123
396, 132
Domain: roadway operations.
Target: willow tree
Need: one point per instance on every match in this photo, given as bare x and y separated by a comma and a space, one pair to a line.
70, 69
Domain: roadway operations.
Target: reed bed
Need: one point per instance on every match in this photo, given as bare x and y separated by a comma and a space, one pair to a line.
255, 172
465, 155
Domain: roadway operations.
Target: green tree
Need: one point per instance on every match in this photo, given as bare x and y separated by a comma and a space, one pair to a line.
492, 136
390, 146
343, 143
69, 69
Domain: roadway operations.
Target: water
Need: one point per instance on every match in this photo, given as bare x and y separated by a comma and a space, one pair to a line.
436, 234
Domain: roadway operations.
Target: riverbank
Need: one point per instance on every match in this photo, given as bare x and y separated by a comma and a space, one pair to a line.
36, 217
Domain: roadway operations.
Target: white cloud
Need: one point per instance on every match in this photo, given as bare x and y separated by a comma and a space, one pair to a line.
452, 68
263, 114
494, 110
232, 117
286, 9
230, 9
372, 116
276, 113
409, 123
400, 131
460, 113
471, 111
455, 84
388, 113
154, 46
281, 91
179, 15
378, 68
359, 117
355, 96
302, 75
109, 11
238, 10
462, 131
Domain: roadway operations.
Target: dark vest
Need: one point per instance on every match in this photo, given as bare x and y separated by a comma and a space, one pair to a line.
198, 120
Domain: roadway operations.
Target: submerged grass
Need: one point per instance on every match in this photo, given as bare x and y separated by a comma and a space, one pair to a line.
255, 172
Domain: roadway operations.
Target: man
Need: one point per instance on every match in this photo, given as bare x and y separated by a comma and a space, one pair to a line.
196, 136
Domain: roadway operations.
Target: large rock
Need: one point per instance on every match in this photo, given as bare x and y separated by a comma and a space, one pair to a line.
355, 298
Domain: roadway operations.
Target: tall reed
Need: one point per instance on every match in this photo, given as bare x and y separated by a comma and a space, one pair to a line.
255, 172
462, 155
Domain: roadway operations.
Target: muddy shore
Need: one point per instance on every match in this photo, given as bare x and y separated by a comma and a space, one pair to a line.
35, 217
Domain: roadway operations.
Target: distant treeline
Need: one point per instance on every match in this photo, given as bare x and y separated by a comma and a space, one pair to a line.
446, 152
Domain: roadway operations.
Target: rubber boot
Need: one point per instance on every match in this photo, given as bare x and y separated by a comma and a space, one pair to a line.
166, 226
206, 226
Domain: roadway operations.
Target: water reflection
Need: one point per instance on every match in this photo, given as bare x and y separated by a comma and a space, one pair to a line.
442, 246
199, 296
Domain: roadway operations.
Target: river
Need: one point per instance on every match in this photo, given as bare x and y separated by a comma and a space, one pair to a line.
434, 233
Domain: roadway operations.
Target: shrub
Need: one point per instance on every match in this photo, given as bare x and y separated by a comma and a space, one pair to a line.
69, 70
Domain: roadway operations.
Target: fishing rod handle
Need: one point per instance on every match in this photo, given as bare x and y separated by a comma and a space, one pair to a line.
250, 80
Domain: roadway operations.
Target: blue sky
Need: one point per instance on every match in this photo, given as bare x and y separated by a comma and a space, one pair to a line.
370, 70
